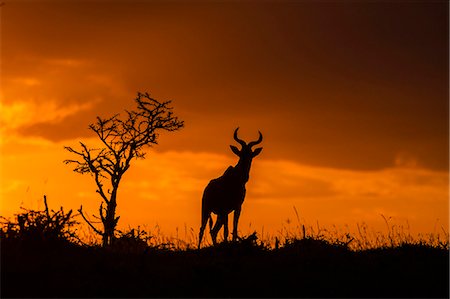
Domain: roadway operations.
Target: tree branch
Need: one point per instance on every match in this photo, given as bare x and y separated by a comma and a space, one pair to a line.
88, 222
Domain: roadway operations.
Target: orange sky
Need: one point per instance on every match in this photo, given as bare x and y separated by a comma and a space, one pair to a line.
352, 100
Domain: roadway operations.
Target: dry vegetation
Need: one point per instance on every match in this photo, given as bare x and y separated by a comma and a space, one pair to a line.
43, 255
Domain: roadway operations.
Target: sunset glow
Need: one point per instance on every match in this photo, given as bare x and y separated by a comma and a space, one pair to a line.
351, 98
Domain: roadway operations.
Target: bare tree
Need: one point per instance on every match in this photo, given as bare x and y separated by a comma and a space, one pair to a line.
122, 140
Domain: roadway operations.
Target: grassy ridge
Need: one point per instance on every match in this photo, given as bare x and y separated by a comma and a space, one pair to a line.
303, 268
41, 256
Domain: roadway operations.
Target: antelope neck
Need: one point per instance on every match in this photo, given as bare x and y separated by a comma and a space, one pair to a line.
243, 169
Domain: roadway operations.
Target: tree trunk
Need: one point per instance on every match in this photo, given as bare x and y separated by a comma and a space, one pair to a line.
110, 222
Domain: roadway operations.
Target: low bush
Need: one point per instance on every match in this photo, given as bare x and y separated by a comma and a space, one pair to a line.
44, 227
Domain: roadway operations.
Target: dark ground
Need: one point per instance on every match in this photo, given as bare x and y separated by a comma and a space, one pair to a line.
305, 268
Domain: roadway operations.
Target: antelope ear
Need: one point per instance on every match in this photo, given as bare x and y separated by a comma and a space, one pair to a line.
235, 150
257, 151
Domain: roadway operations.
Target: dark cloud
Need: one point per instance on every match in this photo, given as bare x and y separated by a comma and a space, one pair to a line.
347, 85
282, 189
67, 129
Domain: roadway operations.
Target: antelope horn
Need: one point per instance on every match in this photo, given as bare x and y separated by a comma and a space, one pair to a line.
241, 142
253, 143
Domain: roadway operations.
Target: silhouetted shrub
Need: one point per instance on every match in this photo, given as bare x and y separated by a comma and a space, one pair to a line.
133, 240
244, 246
46, 226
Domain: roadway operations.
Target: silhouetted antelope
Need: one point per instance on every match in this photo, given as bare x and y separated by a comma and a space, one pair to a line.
226, 193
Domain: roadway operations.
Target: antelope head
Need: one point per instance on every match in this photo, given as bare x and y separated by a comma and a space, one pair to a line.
246, 153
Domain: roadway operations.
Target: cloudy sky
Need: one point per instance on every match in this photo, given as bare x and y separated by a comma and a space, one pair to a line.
351, 98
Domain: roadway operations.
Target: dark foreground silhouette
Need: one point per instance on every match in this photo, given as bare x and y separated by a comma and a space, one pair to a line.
301, 268
226, 193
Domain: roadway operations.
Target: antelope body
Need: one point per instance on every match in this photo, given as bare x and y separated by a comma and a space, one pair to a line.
226, 194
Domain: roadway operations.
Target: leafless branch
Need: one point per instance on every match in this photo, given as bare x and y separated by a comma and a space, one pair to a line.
80, 210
